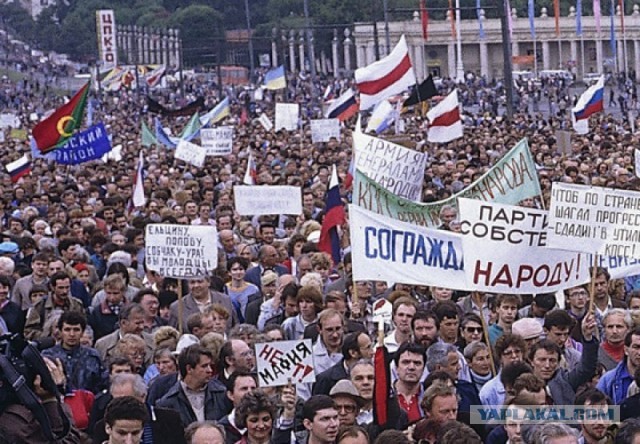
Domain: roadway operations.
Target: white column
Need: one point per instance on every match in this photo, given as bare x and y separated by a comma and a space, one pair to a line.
484, 59
334, 54
545, 55
574, 52
515, 48
274, 53
599, 53
292, 51
361, 55
301, 51
418, 61
371, 53
636, 58
620, 48
451, 60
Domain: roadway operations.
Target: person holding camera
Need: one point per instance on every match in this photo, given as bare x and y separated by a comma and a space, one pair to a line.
19, 424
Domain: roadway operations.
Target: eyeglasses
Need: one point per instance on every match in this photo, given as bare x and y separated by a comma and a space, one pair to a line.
474, 329
348, 408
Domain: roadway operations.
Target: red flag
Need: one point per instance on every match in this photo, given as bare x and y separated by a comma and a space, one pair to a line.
53, 131
424, 18
381, 386
452, 17
333, 218
556, 12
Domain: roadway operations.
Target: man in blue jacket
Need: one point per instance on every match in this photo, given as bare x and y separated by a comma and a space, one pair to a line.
616, 382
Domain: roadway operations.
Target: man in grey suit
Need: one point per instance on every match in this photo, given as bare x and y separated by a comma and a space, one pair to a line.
199, 300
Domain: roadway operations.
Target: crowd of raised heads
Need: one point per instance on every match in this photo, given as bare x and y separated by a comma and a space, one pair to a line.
140, 357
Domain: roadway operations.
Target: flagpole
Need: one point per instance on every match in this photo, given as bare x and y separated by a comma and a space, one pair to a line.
535, 55
459, 67
582, 52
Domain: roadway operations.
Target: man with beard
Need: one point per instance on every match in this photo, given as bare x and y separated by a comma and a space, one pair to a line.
425, 328
593, 430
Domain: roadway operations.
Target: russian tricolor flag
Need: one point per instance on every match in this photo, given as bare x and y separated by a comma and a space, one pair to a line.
333, 218
343, 107
19, 168
591, 101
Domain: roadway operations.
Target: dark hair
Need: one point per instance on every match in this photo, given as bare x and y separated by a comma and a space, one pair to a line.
438, 375
515, 298
392, 437
237, 260
470, 317
424, 315
409, 347
512, 371
558, 318
72, 318
445, 310
600, 271
190, 356
231, 382
119, 360
507, 340
629, 337
252, 403
58, 276
293, 240
5, 282
226, 351
350, 343
167, 297
461, 433
545, 301
593, 396
315, 404
125, 407
137, 298
64, 244
628, 431
546, 345
118, 267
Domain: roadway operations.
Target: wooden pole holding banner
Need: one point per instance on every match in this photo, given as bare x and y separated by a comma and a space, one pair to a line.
592, 287
485, 331
180, 307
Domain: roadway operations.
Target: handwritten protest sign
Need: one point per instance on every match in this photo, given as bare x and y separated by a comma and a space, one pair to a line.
281, 361
397, 169
619, 266
384, 249
275, 199
505, 252
9, 120
287, 116
181, 251
563, 140
217, 141
597, 220
265, 122
190, 153
322, 130
510, 180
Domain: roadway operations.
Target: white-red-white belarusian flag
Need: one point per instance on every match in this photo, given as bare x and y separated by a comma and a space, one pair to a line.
387, 77
445, 124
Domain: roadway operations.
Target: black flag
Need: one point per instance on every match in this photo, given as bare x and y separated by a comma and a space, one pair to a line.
425, 91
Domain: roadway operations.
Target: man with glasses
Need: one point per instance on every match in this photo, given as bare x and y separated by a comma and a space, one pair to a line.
509, 348
356, 346
348, 402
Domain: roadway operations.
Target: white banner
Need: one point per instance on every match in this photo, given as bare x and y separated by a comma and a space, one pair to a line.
217, 141
9, 120
619, 267
322, 130
505, 251
267, 199
396, 168
384, 249
594, 220
107, 45
282, 361
265, 122
181, 251
190, 153
287, 116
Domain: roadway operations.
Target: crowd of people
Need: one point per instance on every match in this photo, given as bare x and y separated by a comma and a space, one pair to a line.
133, 362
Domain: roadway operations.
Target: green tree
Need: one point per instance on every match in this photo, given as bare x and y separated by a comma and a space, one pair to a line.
201, 28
